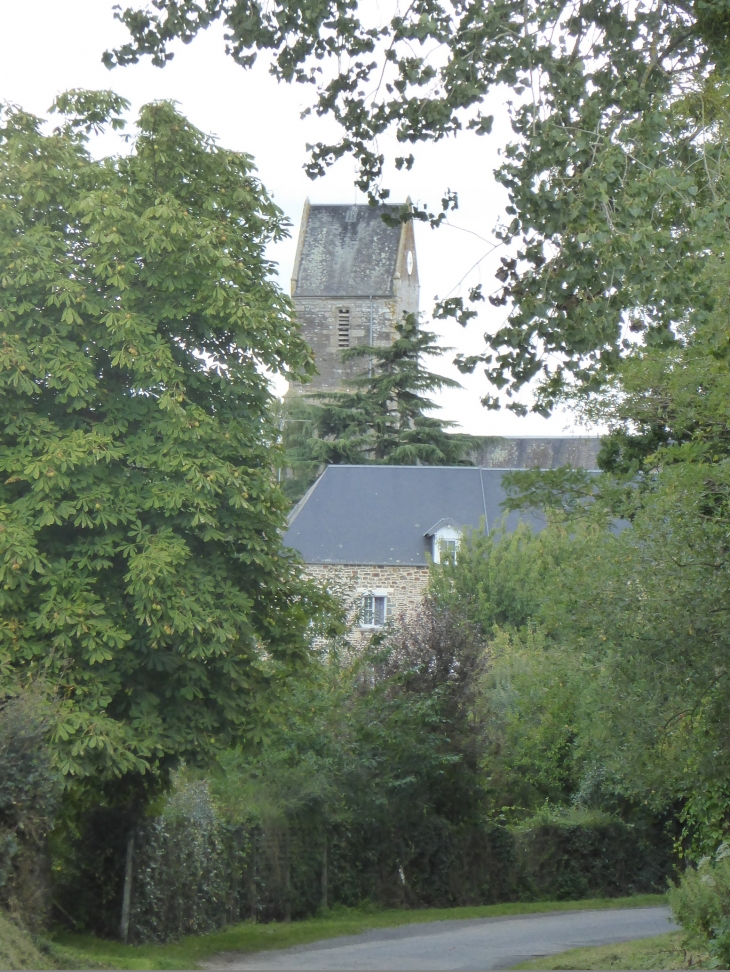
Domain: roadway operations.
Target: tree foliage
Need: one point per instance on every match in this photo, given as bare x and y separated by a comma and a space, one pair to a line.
143, 578
612, 174
526, 708
383, 418
645, 606
30, 789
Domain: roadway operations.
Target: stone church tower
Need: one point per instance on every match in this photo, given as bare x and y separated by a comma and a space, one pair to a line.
354, 278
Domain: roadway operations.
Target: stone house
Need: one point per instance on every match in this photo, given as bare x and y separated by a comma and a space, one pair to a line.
354, 277
370, 532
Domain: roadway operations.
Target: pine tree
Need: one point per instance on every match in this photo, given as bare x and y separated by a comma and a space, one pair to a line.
382, 420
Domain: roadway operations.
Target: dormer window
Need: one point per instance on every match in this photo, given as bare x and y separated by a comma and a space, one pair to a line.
444, 538
446, 550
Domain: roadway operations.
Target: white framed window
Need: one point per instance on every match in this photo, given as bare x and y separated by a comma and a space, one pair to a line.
446, 551
445, 540
373, 610
343, 327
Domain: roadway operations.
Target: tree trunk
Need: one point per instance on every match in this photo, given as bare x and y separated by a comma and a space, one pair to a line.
127, 893
325, 876
287, 878
252, 889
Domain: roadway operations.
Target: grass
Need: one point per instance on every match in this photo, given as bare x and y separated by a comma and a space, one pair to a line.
662, 952
17, 949
78, 951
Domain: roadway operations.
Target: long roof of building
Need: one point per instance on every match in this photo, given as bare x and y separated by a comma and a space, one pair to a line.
346, 251
382, 514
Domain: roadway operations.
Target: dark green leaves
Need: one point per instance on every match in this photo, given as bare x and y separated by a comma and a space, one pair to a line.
612, 172
383, 419
141, 571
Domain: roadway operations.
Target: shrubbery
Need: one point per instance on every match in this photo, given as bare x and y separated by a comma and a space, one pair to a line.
191, 873
195, 870
382, 780
590, 855
701, 904
446, 763
29, 793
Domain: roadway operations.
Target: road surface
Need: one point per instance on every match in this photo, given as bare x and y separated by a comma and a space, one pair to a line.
480, 943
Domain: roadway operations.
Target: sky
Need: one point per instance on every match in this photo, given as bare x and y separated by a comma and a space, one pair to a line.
49, 46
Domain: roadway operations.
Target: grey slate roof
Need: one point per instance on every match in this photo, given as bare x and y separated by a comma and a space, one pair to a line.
380, 514
347, 251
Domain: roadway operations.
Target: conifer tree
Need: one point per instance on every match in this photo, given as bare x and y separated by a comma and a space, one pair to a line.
383, 419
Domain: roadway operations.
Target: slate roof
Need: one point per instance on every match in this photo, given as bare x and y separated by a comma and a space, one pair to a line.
347, 251
380, 514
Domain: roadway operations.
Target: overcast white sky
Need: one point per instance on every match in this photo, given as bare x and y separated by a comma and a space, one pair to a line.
48, 46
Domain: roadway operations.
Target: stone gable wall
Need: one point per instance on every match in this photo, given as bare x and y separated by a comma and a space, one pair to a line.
403, 586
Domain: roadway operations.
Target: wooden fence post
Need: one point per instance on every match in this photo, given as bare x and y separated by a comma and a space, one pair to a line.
287, 876
325, 875
127, 893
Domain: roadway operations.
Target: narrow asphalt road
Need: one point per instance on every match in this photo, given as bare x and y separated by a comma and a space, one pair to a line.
480, 943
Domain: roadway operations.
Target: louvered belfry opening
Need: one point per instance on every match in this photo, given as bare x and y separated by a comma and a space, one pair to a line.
343, 327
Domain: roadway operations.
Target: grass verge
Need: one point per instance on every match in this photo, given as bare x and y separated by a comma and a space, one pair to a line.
662, 952
78, 951
17, 949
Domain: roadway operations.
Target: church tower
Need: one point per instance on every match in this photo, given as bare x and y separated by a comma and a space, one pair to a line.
354, 278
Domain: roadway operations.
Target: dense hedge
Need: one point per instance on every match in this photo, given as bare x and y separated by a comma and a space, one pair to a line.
29, 792
195, 872
596, 857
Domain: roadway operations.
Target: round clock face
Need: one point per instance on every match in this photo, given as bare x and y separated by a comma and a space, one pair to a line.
409, 262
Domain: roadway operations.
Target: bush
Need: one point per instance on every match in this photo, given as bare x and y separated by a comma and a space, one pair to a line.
433, 864
578, 855
17, 950
194, 871
189, 869
190, 873
701, 904
29, 792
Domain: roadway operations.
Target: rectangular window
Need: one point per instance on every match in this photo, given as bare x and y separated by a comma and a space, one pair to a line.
447, 551
343, 327
373, 611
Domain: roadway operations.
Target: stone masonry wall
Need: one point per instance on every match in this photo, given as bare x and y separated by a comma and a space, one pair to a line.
317, 318
404, 588
580, 452
317, 311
